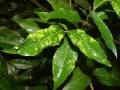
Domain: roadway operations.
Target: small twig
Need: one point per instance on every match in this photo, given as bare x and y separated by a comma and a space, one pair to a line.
91, 86
38, 4
116, 41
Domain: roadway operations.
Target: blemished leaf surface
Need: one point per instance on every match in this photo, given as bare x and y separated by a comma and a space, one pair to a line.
105, 33
63, 63
98, 3
89, 46
116, 6
70, 15
41, 39
79, 81
107, 77
28, 24
57, 4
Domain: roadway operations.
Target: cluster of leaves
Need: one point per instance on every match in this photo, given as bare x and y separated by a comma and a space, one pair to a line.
62, 49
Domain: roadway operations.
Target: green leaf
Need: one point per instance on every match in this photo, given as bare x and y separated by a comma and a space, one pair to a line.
98, 3
106, 77
4, 80
9, 38
89, 46
102, 15
57, 4
83, 3
28, 24
41, 39
3, 67
63, 63
105, 33
5, 84
70, 15
79, 81
24, 64
116, 6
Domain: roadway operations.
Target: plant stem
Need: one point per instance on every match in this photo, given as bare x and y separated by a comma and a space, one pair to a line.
91, 86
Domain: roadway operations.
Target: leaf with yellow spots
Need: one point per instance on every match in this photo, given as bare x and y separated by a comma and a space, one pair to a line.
63, 63
116, 6
41, 39
89, 46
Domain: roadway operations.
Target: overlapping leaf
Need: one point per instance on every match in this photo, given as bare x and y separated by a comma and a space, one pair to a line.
63, 63
28, 24
79, 81
106, 77
41, 39
116, 6
89, 46
10, 40
105, 33
70, 15
9, 37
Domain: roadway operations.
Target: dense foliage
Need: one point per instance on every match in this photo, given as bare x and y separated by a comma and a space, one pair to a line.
59, 44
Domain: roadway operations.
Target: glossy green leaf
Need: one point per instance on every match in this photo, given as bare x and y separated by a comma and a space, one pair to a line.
9, 37
79, 81
28, 24
98, 3
41, 39
105, 33
116, 6
24, 64
70, 15
106, 77
63, 63
57, 4
10, 40
89, 46
83, 3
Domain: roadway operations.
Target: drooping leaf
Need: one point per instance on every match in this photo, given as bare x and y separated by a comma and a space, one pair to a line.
116, 6
83, 3
105, 33
63, 63
79, 81
98, 3
89, 46
41, 39
28, 24
107, 77
57, 4
70, 15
